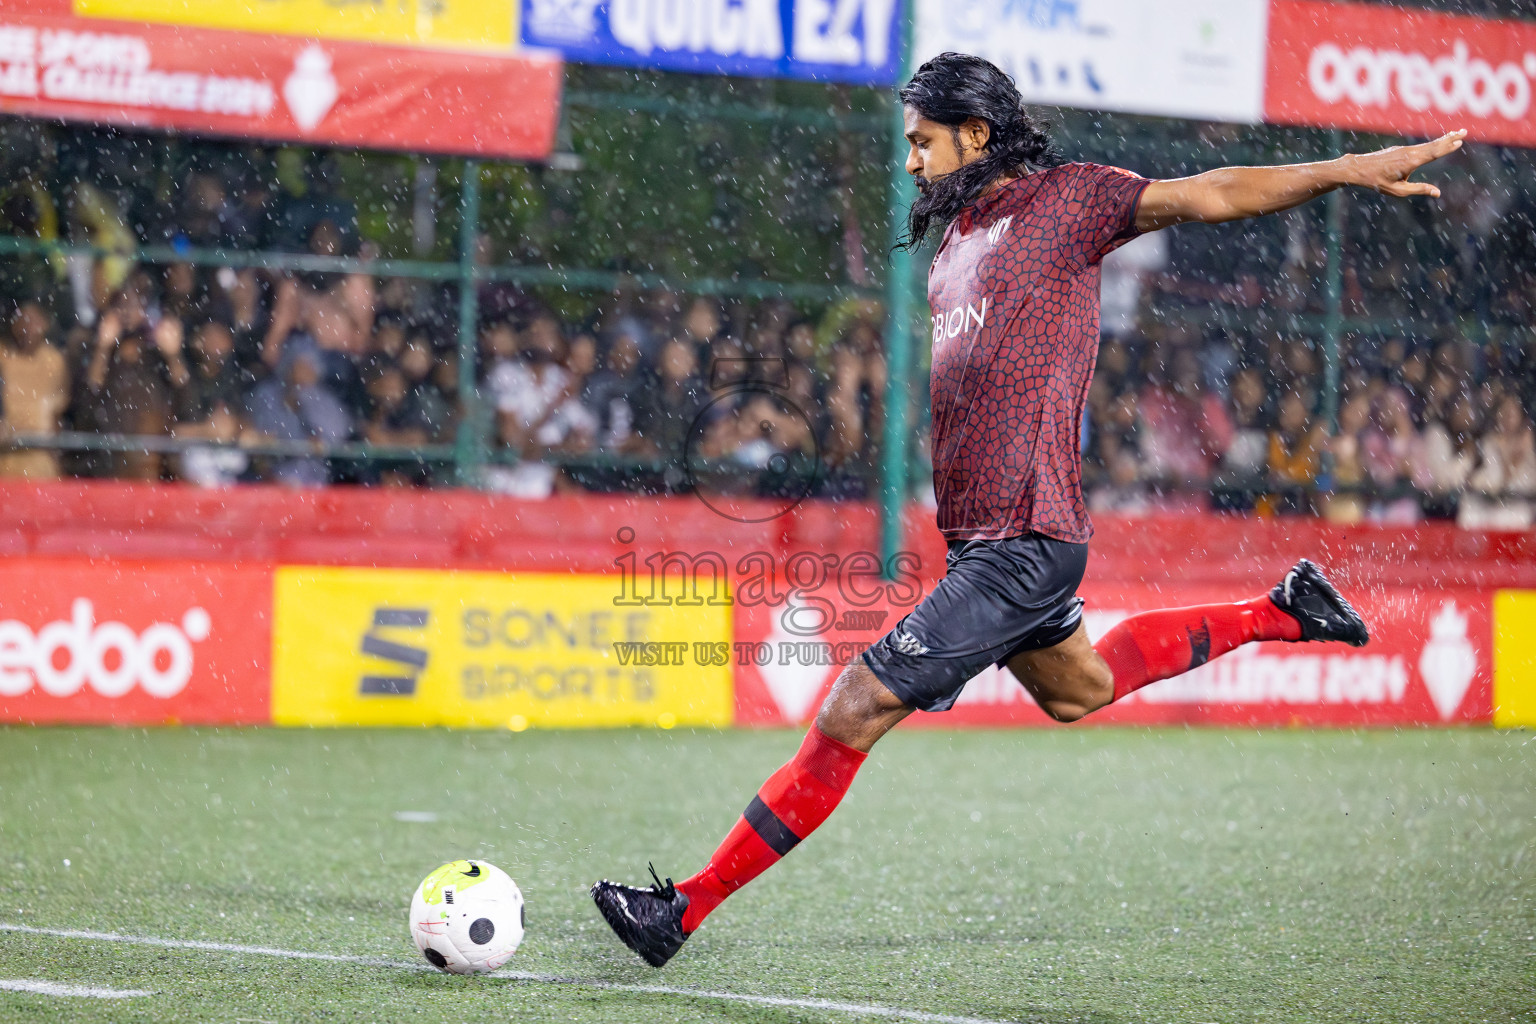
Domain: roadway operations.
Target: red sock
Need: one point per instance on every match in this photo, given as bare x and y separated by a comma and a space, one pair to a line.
792, 803
1155, 645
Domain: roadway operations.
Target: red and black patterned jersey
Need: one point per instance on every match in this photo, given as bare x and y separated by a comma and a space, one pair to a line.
1014, 292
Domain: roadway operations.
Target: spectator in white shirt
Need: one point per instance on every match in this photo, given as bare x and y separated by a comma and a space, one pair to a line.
1502, 489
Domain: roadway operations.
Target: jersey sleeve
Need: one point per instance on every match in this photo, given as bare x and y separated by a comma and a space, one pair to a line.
1100, 210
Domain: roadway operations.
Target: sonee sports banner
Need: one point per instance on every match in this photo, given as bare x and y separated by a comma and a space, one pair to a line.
489, 650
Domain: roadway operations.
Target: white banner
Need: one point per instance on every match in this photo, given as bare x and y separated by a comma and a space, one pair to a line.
1200, 59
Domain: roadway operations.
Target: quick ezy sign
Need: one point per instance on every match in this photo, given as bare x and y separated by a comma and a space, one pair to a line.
826, 40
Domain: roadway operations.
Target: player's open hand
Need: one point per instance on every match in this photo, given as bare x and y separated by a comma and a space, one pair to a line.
1387, 170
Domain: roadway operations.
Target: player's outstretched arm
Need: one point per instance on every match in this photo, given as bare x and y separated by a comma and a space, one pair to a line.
1232, 193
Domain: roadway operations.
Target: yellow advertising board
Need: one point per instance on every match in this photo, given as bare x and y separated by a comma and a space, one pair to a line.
477, 24
490, 650
1514, 658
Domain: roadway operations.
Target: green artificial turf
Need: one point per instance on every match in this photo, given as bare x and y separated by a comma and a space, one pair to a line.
1072, 874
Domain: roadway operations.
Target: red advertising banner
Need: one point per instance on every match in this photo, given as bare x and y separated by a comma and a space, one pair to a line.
1379, 68
1429, 663
127, 644
326, 92
791, 642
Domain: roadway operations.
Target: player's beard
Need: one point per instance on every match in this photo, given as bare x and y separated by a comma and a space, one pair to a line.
940, 200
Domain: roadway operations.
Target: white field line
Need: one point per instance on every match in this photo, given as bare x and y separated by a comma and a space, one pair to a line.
857, 1009
54, 988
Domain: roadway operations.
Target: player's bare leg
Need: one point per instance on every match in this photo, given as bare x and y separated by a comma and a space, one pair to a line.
796, 799
1069, 680
860, 709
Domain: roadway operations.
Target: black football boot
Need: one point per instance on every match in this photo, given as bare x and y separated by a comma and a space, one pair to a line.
1306, 595
648, 921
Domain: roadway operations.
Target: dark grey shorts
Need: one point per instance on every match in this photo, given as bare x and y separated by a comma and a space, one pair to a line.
999, 598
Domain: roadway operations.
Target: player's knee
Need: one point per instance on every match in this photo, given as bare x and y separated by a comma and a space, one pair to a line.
856, 697
1078, 695
1099, 686
842, 720
860, 708
1064, 710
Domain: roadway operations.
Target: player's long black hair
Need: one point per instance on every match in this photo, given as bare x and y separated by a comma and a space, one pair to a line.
949, 89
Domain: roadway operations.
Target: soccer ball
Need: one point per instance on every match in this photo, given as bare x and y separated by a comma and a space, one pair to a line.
467, 917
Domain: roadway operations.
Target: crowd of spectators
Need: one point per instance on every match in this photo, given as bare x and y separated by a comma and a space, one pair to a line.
1180, 418
1211, 388
646, 396
245, 374
658, 393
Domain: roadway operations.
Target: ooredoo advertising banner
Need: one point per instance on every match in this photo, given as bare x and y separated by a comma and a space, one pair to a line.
1194, 58
1429, 663
130, 644
1380, 68
825, 40
492, 650
327, 92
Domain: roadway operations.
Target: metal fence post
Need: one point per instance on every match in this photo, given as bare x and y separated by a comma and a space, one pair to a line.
898, 331
1333, 294
471, 440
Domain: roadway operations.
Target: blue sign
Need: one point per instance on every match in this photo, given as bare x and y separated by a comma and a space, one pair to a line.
852, 41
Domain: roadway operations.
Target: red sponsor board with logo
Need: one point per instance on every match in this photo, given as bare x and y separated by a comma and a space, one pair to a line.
131, 644
787, 652
324, 92
1379, 68
1429, 663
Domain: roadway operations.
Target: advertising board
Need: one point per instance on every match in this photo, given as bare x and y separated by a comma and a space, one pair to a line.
1429, 663
1380, 68
456, 23
323, 92
1196, 58
492, 650
134, 644
826, 40
1514, 659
